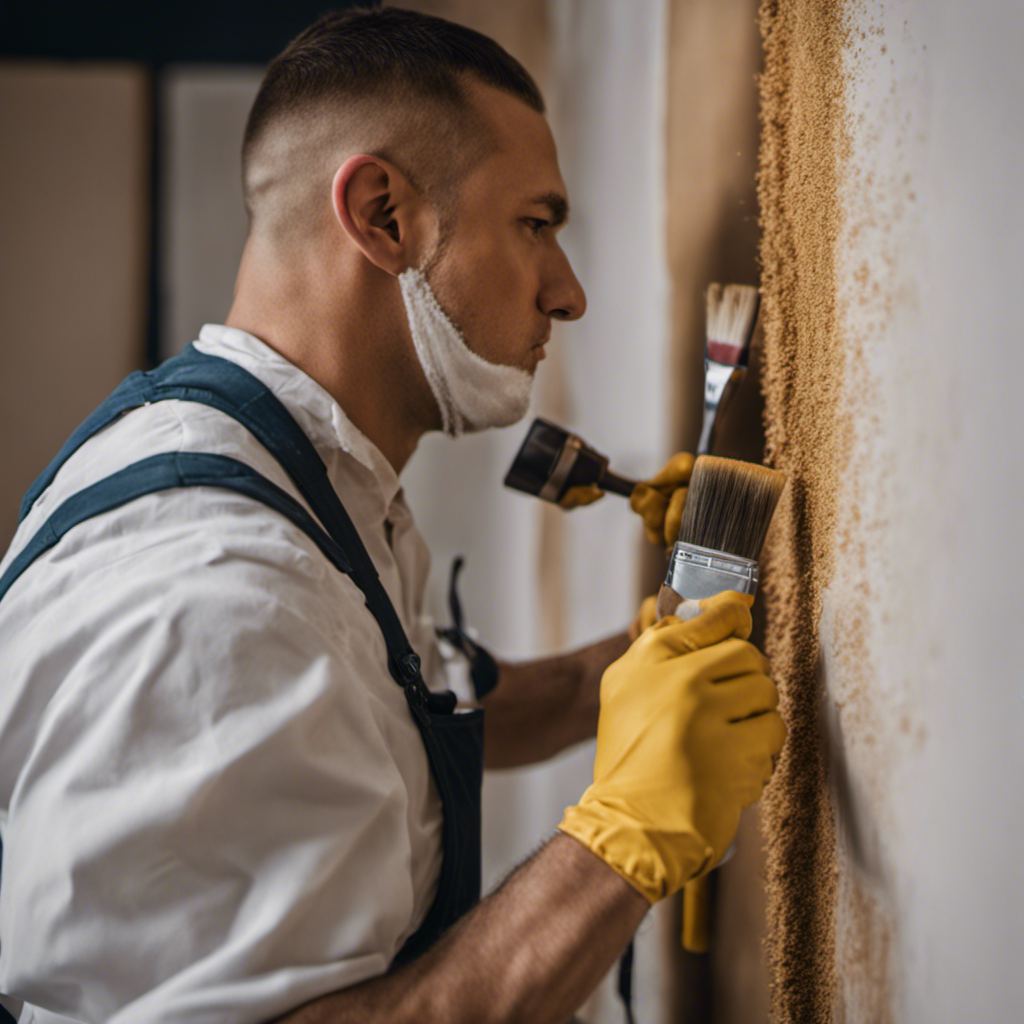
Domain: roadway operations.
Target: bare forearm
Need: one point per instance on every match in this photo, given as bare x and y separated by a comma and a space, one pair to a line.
531, 952
541, 707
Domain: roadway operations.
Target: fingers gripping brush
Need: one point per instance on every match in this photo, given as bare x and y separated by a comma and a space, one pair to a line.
725, 520
727, 510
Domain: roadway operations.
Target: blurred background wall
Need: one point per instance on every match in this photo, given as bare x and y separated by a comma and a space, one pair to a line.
74, 202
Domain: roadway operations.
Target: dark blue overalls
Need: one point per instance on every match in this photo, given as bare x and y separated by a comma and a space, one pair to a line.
454, 742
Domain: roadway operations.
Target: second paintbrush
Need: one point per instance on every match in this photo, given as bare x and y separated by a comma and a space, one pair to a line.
731, 314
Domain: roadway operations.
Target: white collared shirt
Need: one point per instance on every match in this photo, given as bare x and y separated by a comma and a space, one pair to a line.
215, 804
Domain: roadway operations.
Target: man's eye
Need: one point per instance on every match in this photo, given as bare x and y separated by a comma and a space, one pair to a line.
535, 224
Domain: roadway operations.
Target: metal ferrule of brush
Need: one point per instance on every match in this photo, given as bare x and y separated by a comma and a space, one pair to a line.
695, 572
717, 377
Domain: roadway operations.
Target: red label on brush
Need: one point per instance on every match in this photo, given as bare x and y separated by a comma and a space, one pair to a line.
723, 352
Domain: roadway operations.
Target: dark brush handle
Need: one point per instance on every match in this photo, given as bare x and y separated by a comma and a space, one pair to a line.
616, 484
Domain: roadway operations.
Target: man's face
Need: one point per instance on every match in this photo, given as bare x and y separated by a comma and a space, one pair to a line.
502, 276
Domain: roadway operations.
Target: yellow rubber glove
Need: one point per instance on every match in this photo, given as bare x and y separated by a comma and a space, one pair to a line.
685, 741
659, 501
584, 494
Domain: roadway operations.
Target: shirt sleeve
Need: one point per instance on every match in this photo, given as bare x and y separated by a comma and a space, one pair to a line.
211, 825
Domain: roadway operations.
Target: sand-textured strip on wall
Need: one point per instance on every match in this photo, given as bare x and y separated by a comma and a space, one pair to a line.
802, 154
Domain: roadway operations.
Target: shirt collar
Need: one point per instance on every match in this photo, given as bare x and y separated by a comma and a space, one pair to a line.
335, 437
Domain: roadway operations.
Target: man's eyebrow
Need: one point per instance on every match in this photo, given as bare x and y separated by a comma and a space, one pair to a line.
557, 205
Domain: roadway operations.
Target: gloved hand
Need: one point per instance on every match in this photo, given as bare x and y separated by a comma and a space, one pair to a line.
685, 741
659, 501
584, 494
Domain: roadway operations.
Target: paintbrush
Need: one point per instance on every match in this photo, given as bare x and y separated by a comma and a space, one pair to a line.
729, 507
731, 313
552, 461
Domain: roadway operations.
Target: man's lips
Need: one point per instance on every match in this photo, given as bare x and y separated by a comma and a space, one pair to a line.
537, 352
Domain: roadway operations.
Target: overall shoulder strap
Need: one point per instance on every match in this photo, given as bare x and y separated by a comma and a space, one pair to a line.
221, 384
159, 473
209, 380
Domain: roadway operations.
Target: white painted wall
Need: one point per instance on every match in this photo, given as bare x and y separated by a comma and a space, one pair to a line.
927, 715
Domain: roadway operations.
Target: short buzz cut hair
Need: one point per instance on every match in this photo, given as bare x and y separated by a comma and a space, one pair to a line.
390, 82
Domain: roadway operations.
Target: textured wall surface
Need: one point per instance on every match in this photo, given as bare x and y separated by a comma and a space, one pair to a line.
801, 150
891, 157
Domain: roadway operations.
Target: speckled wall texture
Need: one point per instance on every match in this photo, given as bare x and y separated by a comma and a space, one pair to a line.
801, 146
891, 155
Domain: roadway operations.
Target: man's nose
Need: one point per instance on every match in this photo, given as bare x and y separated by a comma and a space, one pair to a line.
562, 296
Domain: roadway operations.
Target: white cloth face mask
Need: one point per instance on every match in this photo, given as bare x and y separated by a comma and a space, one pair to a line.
472, 393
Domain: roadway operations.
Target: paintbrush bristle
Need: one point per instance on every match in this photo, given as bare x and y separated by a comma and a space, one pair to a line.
729, 505
731, 315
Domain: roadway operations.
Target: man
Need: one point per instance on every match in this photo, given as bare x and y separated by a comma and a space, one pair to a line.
234, 788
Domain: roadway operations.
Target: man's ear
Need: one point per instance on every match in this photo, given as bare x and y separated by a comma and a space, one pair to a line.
379, 210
